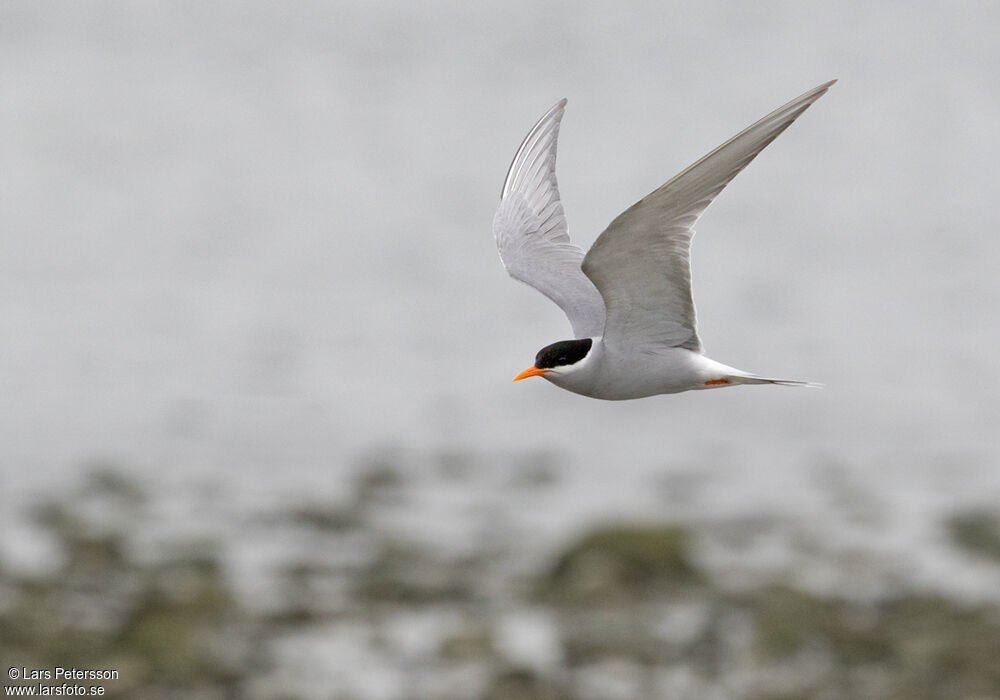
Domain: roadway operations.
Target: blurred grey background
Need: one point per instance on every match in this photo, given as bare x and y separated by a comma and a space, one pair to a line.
248, 245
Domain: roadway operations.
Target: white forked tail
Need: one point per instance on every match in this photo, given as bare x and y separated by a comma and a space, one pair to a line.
717, 374
752, 379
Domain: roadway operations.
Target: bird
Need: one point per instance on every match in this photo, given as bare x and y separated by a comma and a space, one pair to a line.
628, 299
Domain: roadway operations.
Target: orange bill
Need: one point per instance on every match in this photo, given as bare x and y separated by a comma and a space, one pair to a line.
530, 372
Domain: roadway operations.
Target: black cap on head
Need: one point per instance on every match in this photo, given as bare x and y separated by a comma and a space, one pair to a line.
565, 352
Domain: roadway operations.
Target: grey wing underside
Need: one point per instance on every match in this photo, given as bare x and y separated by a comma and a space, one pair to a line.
530, 230
641, 262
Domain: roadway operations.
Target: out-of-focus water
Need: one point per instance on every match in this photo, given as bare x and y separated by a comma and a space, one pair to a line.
245, 243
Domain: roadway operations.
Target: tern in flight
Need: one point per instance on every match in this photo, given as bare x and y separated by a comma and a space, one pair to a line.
629, 298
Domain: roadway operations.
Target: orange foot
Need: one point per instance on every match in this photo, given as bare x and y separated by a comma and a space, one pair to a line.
712, 382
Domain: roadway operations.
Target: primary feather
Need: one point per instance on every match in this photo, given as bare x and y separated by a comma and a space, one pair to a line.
530, 230
640, 264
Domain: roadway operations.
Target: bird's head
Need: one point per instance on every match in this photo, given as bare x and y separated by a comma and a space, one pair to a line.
560, 358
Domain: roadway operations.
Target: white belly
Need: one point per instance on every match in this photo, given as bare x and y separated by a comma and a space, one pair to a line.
617, 377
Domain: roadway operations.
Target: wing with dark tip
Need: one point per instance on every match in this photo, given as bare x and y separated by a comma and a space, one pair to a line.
530, 230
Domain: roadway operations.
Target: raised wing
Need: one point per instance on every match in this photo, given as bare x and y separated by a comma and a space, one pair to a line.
530, 229
640, 263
